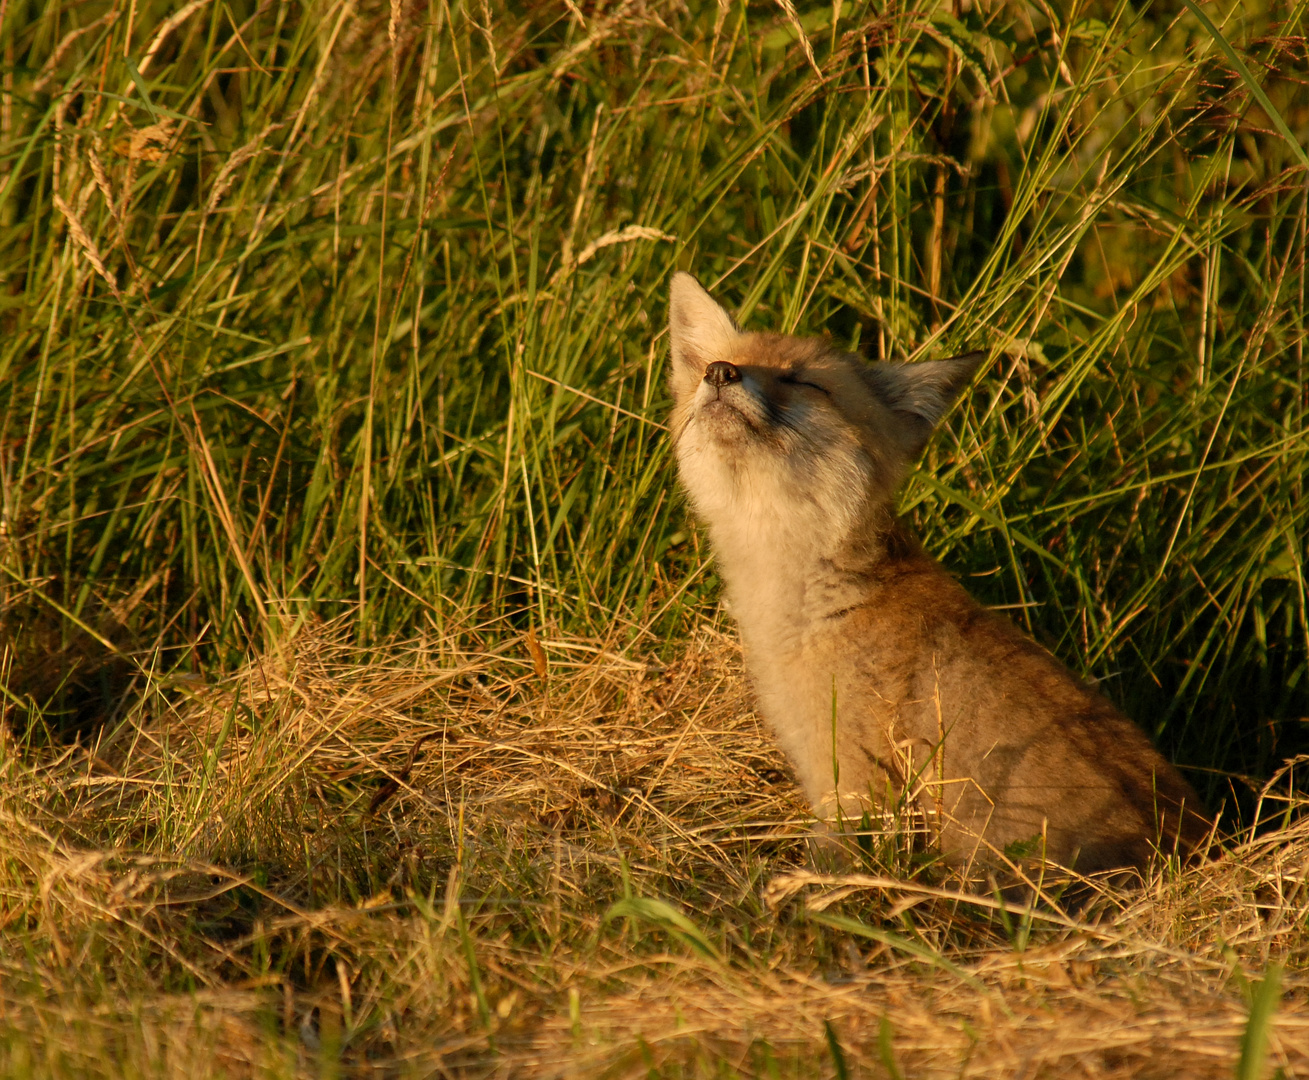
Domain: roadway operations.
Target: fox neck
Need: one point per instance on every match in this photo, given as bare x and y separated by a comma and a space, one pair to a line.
779, 583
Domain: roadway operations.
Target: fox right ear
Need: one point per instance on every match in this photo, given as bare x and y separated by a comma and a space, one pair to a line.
921, 393
699, 330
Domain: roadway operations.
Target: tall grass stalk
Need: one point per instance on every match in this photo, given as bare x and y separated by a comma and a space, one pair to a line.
355, 311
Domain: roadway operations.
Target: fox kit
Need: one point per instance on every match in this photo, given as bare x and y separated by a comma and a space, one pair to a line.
882, 679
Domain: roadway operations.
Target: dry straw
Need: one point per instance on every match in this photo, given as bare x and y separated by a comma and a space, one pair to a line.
335, 855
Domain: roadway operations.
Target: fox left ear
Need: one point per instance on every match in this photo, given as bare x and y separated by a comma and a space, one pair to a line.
699, 330
923, 392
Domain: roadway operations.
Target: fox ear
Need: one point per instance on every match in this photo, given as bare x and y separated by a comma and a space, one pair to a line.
922, 392
699, 330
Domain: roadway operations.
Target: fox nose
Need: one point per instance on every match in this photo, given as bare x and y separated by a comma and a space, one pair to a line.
720, 373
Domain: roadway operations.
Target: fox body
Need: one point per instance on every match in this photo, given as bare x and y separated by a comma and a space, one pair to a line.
882, 679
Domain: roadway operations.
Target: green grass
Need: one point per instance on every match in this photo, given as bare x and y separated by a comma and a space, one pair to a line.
345, 323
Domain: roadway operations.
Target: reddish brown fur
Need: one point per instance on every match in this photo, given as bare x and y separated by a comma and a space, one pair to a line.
883, 680
1108, 796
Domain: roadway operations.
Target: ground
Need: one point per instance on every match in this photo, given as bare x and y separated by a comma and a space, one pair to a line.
545, 857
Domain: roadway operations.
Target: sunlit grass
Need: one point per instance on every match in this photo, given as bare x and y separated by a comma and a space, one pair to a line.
351, 316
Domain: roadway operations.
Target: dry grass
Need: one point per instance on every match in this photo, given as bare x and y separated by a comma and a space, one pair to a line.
406, 862
353, 309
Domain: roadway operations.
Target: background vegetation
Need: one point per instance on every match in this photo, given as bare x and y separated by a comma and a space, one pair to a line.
326, 327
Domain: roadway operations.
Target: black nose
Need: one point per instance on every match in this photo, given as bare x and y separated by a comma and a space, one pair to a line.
720, 373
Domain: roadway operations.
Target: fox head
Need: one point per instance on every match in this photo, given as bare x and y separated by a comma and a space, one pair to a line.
775, 432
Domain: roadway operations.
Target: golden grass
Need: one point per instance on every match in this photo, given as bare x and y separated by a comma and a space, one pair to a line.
272, 312
404, 860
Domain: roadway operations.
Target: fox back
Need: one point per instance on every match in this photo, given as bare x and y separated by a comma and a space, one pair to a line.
883, 680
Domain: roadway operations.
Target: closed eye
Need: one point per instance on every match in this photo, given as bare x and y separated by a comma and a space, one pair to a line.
792, 378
